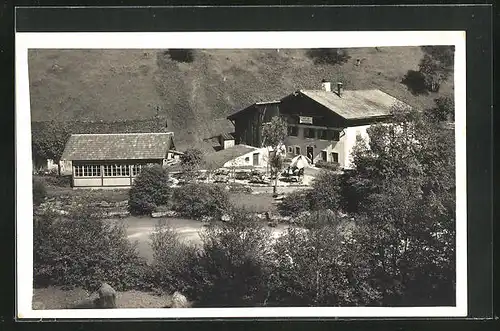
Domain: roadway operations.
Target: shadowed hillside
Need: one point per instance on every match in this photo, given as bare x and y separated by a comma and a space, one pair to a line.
196, 96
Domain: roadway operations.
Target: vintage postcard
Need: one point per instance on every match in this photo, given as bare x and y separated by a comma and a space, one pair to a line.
241, 174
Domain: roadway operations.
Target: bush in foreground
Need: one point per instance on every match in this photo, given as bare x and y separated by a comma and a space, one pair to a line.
196, 200
150, 190
83, 251
232, 269
320, 266
171, 259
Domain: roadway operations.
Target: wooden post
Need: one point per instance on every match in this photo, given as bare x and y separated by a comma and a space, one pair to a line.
130, 173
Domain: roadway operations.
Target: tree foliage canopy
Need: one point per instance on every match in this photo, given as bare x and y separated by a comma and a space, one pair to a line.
404, 185
49, 141
192, 159
436, 65
151, 189
274, 132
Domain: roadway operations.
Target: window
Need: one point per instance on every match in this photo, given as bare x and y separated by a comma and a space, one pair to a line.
136, 169
336, 135
323, 134
309, 133
333, 135
84, 170
290, 149
116, 170
297, 150
293, 131
335, 157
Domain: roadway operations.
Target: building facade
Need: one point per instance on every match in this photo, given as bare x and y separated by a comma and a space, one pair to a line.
114, 160
322, 124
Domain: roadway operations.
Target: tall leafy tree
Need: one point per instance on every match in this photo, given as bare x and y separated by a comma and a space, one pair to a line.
405, 188
49, 140
191, 161
274, 134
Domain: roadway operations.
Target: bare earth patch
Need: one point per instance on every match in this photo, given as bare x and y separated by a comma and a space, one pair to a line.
57, 298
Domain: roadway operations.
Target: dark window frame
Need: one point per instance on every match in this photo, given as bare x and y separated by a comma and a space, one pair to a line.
309, 133
335, 157
293, 131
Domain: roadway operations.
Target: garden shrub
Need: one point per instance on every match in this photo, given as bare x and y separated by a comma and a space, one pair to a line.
333, 166
171, 259
295, 203
83, 251
325, 191
196, 200
320, 267
58, 181
150, 189
39, 191
232, 269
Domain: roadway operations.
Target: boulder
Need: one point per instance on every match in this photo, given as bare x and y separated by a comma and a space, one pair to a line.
107, 297
179, 301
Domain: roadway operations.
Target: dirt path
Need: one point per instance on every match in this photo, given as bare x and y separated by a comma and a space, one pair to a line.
140, 228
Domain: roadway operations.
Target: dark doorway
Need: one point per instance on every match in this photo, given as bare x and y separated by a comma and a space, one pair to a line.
310, 152
256, 159
323, 155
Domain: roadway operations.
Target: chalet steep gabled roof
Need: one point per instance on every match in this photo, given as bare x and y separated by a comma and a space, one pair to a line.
260, 103
118, 146
355, 104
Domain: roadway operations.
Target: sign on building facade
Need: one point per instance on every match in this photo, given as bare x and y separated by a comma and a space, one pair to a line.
305, 120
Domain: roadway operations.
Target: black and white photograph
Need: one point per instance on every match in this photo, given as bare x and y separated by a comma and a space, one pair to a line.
322, 176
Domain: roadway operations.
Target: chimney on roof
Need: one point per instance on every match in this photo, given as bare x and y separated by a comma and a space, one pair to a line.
339, 89
327, 86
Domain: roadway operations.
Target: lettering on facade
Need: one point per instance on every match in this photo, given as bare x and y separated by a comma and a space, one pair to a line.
305, 120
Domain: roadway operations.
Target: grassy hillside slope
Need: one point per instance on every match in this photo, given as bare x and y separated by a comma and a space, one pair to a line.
195, 97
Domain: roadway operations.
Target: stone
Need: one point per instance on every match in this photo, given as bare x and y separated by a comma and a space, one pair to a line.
158, 214
37, 305
225, 218
171, 213
207, 219
179, 301
107, 297
123, 203
104, 204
